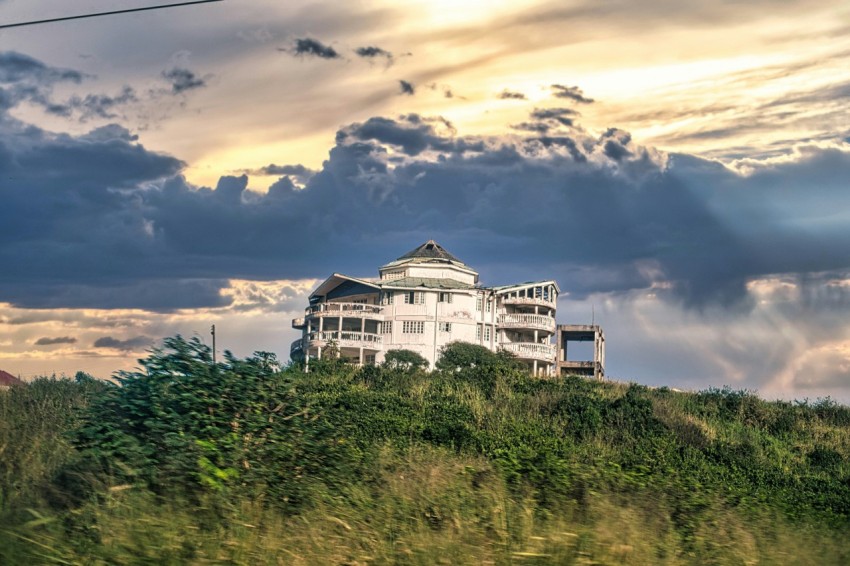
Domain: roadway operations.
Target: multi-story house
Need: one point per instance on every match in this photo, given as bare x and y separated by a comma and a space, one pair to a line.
421, 302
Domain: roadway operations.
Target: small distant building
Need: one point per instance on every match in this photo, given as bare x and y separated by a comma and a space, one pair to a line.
8, 380
422, 301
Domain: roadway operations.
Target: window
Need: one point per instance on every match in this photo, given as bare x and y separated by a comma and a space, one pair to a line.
479, 303
478, 332
370, 359
445, 327
414, 297
360, 301
393, 275
489, 305
387, 299
412, 327
444, 298
387, 327
486, 333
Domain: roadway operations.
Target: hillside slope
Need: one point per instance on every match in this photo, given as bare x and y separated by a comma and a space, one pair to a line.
476, 462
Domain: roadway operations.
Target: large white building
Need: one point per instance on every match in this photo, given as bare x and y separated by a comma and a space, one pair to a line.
421, 302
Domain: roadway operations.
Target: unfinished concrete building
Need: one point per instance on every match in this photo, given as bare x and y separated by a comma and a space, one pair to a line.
588, 362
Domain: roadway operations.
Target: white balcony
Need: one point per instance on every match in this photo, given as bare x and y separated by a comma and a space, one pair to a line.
534, 301
344, 309
346, 339
299, 323
527, 321
531, 351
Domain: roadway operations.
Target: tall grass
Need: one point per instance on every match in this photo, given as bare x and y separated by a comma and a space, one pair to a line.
466, 465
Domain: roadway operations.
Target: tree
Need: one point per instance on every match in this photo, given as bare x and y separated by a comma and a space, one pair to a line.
404, 359
456, 356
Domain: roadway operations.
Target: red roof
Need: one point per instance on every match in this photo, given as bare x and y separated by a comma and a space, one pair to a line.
7, 379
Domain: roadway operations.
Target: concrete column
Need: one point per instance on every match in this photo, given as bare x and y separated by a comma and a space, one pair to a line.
535, 367
361, 356
319, 356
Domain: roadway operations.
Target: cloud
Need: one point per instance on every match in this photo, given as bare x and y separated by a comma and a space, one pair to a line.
511, 95
573, 93
24, 78
131, 344
554, 116
406, 87
100, 220
183, 80
96, 105
46, 341
312, 47
294, 170
372, 52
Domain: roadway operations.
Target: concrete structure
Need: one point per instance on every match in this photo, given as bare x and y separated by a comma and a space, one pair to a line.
567, 365
422, 301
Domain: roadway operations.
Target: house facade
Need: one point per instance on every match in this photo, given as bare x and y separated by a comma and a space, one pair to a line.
422, 301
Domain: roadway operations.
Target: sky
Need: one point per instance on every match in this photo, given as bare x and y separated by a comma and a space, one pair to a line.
681, 169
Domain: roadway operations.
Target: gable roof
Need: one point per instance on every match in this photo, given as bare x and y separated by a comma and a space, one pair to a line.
7, 379
338, 279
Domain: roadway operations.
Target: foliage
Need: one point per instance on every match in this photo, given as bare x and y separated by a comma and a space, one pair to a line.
185, 425
404, 359
245, 462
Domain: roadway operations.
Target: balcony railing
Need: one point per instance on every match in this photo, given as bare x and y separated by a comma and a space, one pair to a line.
528, 301
346, 338
343, 309
531, 351
531, 321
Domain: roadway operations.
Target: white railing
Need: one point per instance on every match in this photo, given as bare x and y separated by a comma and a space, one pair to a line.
345, 309
346, 338
533, 321
529, 350
528, 301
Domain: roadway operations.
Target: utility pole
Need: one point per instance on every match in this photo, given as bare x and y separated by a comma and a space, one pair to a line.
212, 331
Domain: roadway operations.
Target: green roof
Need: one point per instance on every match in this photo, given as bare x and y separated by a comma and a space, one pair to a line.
427, 282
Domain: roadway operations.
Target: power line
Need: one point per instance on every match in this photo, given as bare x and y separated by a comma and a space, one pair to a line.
112, 13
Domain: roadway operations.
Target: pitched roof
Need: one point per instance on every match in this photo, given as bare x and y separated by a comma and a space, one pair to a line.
427, 282
7, 379
429, 250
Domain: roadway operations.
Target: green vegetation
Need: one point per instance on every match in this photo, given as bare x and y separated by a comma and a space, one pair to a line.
245, 462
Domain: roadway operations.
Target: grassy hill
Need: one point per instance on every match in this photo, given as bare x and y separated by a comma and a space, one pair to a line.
245, 462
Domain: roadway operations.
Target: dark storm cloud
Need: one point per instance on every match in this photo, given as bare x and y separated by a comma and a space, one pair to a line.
100, 220
314, 48
511, 95
183, 80
131, 344
406, 87
47, 341
573, 93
